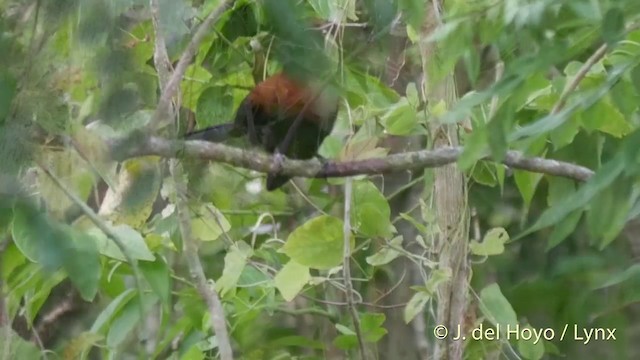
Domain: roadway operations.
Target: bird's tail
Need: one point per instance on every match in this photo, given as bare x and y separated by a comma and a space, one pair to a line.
216, 133
276, 181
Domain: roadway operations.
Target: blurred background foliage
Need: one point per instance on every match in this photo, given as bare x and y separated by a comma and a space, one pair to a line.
74, 72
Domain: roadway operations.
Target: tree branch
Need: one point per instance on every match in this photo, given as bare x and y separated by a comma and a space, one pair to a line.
170, 83
141, 145
170, 88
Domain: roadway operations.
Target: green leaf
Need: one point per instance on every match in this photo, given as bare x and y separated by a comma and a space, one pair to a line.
564, 228
613, 26
497, 129
475, 147
371, 326
632, 272
234, 263
317, 243
559, 189
532, 348
414, 10
38, 238
602, 178
371, 212
492, 243
55, 245
112, 309
496, 308
605, 117
127, 318
15, 347
297, 341
484, 173
133, 242
215, 106
608, 210
209, 223
158, 275
83, 263
386, 254
527, 183
291, 279
415, 305
400, 118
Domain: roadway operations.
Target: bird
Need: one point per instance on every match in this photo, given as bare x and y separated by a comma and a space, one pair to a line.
285, 116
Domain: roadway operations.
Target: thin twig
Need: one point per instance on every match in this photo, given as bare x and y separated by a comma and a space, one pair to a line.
570, 87
346, 267
584, 70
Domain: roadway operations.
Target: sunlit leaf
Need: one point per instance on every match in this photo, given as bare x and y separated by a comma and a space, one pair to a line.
291, 279
317, 243
492, 243
497, 308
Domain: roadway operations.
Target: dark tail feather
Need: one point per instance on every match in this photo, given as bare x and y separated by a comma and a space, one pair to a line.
217, 133
276, 181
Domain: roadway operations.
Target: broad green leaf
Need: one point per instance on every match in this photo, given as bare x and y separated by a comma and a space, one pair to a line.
498, 128
496, 308
632, 272
603, 178
209, 223
215, 106
38, 238
415, 305
371, 212
15, 347
564, 228
234, 262
291, 279
133, 243
415, 11
83, 263
297, 341
559, 189
158, 276
317, 243
387, 253
371, 326
605, 117
613, 25
532, 349
527, 183
127, 318
437, 277
484, 173
608, 210
492, 243
400, 119
112, 309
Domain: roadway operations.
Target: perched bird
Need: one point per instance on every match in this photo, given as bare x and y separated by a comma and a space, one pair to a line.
283, 116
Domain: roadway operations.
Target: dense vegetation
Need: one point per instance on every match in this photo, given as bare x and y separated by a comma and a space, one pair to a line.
118, 241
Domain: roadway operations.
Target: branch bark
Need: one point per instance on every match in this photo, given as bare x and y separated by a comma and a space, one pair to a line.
140, 145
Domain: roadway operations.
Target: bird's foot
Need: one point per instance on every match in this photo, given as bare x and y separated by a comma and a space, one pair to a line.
278, 160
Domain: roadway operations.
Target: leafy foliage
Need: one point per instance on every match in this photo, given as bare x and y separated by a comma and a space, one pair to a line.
545, 251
